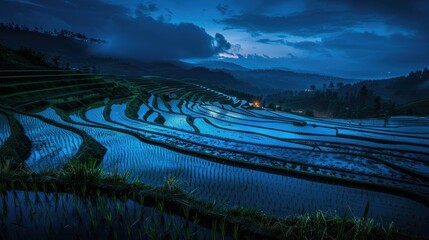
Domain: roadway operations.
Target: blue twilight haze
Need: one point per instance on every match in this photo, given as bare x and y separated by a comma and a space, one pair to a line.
349, 38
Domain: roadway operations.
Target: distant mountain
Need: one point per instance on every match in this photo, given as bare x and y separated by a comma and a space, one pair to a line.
220, 65
212, 78
285, 80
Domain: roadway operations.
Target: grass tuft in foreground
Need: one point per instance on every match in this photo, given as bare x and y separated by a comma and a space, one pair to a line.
173, 213
90, 171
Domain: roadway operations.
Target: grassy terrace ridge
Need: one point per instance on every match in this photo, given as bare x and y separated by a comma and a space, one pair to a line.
190, 120
89, 149
17, 148
84, 179
62, 88
19, 84
166, 103
46, 75
55, 88
133, 107
148, 113
134, 104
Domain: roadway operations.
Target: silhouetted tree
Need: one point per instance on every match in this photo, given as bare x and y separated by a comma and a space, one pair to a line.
377, 105
56, 60
32, 56
363, 92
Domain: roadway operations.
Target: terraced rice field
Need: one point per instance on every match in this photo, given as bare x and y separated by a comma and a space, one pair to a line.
52, 147
222, 150
69, 215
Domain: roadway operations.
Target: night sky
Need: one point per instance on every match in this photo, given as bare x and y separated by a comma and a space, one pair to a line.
349, 38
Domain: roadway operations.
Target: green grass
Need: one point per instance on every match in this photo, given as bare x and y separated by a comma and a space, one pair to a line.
86, 179
190, 120
89, 171
16, 149
160, 119
134, 104
419, 107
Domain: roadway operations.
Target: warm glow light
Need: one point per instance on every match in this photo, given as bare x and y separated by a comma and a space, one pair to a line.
256, 104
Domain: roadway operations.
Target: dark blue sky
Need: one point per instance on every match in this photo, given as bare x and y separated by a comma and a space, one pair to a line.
350, 38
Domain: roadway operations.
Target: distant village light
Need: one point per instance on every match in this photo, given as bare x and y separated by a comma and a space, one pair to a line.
256, 104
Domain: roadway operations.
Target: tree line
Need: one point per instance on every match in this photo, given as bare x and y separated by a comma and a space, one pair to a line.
11, 26
364, 104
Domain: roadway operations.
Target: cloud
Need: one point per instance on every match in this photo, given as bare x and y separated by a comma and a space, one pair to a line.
146, 8
150, 39
368, 45
349, 54
221, 44
374, 49
331, 16
342, 36
128, 35
351, 35
307, 23
260, 6
272, 41
222, 8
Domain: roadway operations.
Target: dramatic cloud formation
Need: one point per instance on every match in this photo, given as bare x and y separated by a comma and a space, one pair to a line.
146, 38
325, 16
307, 23
360, 38
143, 9
222, 8
383, 35
132, 36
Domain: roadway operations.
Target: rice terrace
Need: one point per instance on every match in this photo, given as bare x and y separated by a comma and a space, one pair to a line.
100, 147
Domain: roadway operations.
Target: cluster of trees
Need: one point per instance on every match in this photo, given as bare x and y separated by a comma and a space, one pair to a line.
364, 104
38, 58
418, 75
326, 87
242, 95
55, 33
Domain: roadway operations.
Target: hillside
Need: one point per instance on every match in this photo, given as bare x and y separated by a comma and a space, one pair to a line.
220, 65
11, 59
271, 79
59, 43
76, 52
406, 95
404, 89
